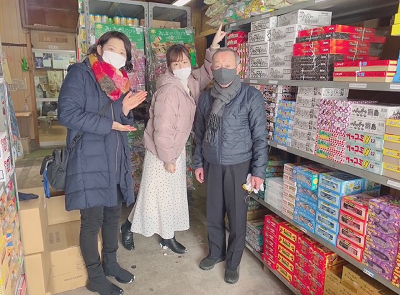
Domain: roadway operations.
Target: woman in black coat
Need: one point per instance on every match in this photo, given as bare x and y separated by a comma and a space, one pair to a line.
99, 176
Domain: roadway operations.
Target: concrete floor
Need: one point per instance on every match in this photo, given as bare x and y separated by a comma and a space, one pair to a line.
163, 272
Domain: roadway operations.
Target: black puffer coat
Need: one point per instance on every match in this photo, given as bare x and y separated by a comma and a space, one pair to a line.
242, 135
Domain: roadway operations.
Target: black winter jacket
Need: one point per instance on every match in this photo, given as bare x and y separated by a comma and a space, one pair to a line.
92, 166
242, 135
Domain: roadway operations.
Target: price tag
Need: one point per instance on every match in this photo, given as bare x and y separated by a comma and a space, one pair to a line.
393, 183
253, 81
281, 147
369, 273
273, 82
395, 86
357, 85
233, 25
267, 15
303, 230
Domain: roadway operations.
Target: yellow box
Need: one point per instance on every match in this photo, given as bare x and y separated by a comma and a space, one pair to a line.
396, 30
397, 18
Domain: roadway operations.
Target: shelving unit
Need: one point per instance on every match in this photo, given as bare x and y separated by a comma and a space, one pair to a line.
354, 262
169, 13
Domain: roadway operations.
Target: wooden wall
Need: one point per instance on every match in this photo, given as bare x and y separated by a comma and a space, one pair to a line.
16, 46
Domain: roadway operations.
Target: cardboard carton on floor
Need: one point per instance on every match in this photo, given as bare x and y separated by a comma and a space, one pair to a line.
37, 269
33, 222
56, 211
68, 269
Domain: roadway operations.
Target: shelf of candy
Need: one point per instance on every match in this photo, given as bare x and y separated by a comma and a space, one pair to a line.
271, 243
391, 147
274, 191
254, 234
284, 122
238, 41
289, 190
316, 50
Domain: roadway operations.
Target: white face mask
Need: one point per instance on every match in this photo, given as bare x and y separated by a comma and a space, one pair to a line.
183, 74
114, 59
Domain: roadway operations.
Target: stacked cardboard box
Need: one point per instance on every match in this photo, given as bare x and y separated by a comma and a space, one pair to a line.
391, 147
271, 244
284, 122
365, 71
316, 50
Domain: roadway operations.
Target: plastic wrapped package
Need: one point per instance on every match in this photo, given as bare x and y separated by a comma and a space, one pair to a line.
237, 12
210, 2
216, 21
258, 7
216, 9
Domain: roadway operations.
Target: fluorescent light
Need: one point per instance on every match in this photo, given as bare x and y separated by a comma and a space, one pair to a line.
181, 2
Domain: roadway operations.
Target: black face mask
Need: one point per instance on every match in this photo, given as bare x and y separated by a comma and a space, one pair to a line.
224, 76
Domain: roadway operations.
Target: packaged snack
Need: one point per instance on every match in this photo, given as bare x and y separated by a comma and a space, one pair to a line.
328, 209
342, 183
349, 248
353, 236
303, 220
284, 273
328, 222
326, 234
304, 245
356, 205
323, 258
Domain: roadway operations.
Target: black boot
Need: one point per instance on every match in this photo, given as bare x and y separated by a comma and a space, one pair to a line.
112, 269
100, 284
232, 275
127, 236
174, 245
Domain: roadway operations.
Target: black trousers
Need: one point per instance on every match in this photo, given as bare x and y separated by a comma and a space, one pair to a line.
225, 195
92, 220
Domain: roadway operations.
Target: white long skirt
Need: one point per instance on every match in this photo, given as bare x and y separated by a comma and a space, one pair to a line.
162, 205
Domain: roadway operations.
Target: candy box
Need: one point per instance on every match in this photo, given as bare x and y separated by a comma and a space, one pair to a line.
326, 234
380, 266
269, 261
289, 188
302, 274
304, 221
289, 204
364, 152
323, 92
284, 273
382, 240
288, 213
288, 168
305, 207
308, 101
349, 248
329, 197
365, 139
371, 126
273, 221
259, 36
316, 284
284, 46
290, 232
302, 260
281, 60
356, 205
328, 222
289, 180
299, 285
285, 252
259, 62
389, 227
286, 263
305, 17
386, 208
280, 73
352, 236
310, 196
364, 163
379, 112
322, 257
265, 23
381, 252
308, 135
306, 124
287, 243
259, 49
341, 183
304, 244
328, 209
303, 145
307, 177
259, 73
289, 197
288, 32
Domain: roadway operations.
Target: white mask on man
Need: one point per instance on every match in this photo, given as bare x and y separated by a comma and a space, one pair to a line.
183, 74
114, 59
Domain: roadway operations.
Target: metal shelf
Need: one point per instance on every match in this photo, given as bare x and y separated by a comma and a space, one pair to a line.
343, 167
112, 8
350, 259
393, 87
282, 279
343, 11
165, 12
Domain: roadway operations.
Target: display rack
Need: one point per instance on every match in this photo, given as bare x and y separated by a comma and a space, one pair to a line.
351, 260
167, 13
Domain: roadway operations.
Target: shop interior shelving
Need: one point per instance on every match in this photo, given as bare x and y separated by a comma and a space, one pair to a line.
167, 13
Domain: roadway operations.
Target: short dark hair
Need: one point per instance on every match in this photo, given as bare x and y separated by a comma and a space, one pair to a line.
107, 37
175, 52
226, 49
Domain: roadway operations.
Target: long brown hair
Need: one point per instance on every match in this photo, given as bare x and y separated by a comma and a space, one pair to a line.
175, 53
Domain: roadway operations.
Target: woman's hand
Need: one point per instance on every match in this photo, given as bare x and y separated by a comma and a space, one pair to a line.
171, 168
131, 101
219, 36
123, 128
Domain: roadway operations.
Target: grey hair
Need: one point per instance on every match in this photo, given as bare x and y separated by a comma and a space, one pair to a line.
226, 49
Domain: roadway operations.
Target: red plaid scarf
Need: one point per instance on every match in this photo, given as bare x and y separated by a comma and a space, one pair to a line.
110, 82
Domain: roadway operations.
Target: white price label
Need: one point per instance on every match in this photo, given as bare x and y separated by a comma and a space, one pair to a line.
393, 183
358, 85
267, 15
303, 230
273, 82
395, 86
281, 147
253, 81
369, 273
233, 25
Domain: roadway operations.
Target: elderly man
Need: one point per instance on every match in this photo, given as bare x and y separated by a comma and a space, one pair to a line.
231, 142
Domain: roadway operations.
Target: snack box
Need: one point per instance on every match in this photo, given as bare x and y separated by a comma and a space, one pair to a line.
391, 142
328, 209
287, 243
304, 244
364, 164
289, 180
364, 139
304, 221
366, 66
285, 252
289, 188
259, 36
388, 227
284, 46
308, 135
302, 274
284, 273
273, 221
305, 17
382, 240
288, 32
393, 125
331, 136
289, 204
364, 152
308, 101
322, 257
386, 208
341, 183
356, 205
269, 261
289, 266
259, 62
380, 266
376, 41
352, 236
342, 29
371, 126
355, 51
306, 113
329, 197
299, 285
280, 73
316, 286
326, 234
259, 73
263, 24
363, 76
327, 221
281, 60
305, 207
333, 43
290, 232
371, 185
307, 177
349, 248
289, 197
236, 35
259, 49
356, 224
306, 124
303, 145
302, 260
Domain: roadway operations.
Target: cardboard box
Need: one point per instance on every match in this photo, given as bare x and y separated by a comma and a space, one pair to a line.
369, 286
33, 222
26, 144
393, 126
37, 270
56, 211
259, 36
165, 24
391, 142
305, 17
53, 40
263, 24
68, 270
352, 277
288, 32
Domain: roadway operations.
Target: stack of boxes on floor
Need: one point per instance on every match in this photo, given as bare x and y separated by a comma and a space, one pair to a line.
391, 144
316, 50
237, 41
289, 191
283, 37
305, 211
50, 235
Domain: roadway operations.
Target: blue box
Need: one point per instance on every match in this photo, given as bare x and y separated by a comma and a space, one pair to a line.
342, 183
328, 222
304, 221
371, 185
329, 197
328, 209
310, 196
307, 176
326, 234
305, 207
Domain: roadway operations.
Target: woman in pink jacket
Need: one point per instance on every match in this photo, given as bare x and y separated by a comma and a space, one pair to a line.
162, 204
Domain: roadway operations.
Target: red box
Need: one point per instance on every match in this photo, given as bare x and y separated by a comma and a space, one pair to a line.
286, 263
287, 243
290, 232
356, 205
310, 291
304, 244
286, 253
352, 236
349, 248
302, 260
356, 224
284, 273
235, 35
332, 43
273, 221
344, 36
302, 275
337, 28
363, 75
317, 285
363, 51
269, 261
362, 64
299, 285
322, 257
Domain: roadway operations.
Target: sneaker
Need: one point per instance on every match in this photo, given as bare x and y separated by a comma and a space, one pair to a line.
208, 262
231, 276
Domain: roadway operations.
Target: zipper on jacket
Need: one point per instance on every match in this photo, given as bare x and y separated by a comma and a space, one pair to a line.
116, 154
